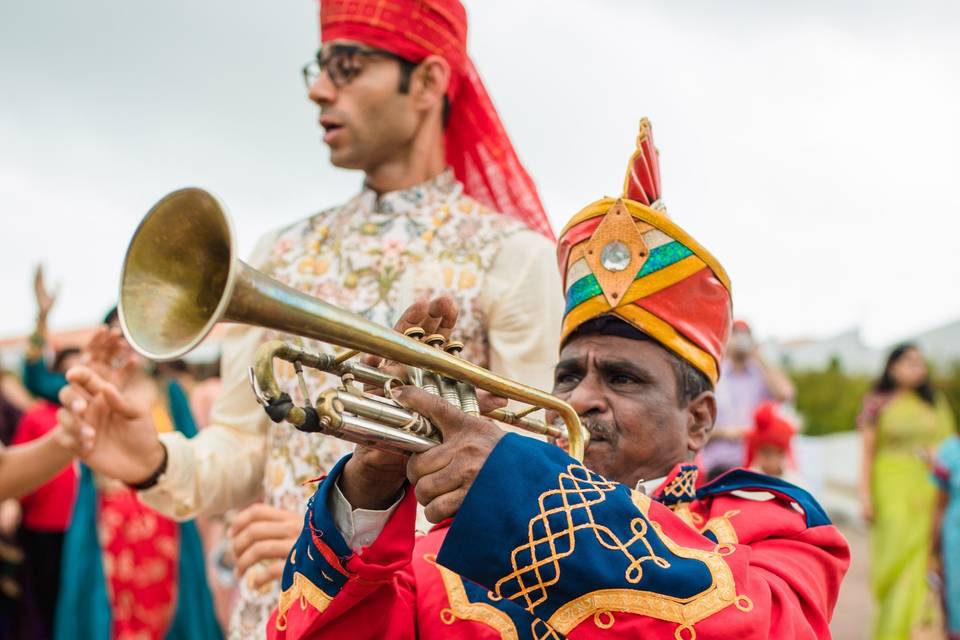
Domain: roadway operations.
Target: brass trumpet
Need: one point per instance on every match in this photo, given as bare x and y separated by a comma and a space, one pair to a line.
181, 277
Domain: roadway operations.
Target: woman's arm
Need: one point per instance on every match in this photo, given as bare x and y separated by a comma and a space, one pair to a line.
935, 547
14, 392
25, 467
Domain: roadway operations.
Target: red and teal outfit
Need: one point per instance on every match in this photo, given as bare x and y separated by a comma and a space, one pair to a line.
130, 572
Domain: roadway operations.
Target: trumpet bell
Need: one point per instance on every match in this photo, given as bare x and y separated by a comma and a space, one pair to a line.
178, 274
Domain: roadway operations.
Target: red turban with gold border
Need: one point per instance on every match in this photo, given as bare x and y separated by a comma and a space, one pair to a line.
624, 257
478, 148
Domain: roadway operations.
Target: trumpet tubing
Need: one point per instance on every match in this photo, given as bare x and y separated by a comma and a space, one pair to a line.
181, 277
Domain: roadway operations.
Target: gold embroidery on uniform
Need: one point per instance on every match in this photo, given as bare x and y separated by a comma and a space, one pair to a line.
304, 592
683, 486
461, 607
580, 490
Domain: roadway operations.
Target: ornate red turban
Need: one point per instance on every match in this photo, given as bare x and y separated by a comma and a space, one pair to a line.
478, 149
626, 258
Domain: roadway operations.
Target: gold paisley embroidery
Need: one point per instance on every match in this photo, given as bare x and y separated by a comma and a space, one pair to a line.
462, 608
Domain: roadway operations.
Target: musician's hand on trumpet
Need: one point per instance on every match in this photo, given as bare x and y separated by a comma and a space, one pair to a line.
443, 475
373, 478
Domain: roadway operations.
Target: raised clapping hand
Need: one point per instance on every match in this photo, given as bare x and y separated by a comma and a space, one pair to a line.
117, 437
44, 298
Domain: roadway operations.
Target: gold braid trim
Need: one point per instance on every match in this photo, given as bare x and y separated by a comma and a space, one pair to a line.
461, 607
304, 592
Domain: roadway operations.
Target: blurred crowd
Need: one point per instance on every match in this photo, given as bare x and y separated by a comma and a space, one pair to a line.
79, 542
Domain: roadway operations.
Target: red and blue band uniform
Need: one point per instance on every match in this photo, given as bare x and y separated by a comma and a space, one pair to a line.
544, 548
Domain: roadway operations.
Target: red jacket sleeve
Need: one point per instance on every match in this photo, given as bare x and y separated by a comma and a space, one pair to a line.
329, 591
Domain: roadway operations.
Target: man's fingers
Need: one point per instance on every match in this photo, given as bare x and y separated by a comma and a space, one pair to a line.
439, 412
443, 313
73, 398
118, 403
266, 574
422, 465
433, 485
438, 315
85, 379
371, 360
445, 506
414, 316
488, 402
255, 513
263, 550
262, 530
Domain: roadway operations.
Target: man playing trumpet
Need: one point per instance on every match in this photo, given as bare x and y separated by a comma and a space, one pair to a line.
529, 543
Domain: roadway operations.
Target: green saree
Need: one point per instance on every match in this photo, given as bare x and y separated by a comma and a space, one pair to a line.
907, 431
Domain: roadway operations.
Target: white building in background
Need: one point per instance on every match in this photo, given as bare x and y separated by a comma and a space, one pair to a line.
848, 348
940, 345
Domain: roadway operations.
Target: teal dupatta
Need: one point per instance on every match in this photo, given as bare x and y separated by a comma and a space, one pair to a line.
83, 609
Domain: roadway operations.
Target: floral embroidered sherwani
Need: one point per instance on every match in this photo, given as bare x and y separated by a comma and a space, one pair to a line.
373, 256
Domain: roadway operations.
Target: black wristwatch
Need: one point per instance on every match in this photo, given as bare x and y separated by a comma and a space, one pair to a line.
154, 478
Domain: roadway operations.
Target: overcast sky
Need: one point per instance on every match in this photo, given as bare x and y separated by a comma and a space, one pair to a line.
813, 147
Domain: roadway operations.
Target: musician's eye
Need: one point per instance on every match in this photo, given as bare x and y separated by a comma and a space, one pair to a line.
619, 379
566, 380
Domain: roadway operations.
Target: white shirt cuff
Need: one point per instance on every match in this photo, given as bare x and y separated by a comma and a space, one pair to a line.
359, 527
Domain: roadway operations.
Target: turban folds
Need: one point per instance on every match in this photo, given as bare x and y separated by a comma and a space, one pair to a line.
477, 146
624, 257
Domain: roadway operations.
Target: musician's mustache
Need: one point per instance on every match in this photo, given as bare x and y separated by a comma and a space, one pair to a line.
601, 430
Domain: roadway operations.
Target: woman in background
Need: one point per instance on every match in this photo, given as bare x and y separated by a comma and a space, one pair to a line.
902, 423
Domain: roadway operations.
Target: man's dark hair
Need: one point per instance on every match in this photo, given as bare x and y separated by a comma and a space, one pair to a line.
691, 382
62, 355
406, 72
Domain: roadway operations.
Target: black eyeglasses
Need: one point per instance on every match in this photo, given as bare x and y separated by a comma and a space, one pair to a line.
342, 62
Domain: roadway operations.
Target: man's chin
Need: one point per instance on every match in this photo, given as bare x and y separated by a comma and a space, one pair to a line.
341, 158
